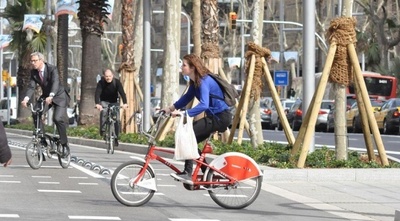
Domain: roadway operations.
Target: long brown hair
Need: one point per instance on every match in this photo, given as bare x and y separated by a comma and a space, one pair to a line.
199, 69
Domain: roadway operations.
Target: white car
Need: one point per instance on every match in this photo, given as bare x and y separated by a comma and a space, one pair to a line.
322, 119
5, 110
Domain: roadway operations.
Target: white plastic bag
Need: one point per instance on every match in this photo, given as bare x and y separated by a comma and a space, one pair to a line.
185, 140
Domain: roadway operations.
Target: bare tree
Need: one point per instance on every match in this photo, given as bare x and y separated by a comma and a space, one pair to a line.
172, 30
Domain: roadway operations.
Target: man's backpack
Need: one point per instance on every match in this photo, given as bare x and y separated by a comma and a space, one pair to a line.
229, 91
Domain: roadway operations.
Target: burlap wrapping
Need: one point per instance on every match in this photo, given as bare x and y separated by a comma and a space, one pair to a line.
342, 32
209, 50
259, 52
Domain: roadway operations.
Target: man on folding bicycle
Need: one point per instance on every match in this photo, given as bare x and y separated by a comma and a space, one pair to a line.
107, 91
53, 93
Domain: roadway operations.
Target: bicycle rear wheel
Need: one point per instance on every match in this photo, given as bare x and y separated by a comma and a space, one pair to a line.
237, 196
64, 155
34, 155
123, 188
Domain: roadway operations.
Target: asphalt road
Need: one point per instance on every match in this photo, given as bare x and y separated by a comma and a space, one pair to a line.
355, 140
78, 193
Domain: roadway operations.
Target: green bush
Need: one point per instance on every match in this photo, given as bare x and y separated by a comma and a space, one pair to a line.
269, 153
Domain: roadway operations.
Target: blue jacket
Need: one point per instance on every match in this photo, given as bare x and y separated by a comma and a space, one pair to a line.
210, 105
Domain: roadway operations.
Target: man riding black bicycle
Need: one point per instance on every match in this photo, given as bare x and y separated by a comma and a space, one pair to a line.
53, 93
107, 91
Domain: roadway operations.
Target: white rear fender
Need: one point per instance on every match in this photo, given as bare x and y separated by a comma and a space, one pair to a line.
238, 165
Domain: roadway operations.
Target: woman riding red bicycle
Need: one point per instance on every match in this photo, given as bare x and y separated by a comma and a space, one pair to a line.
218, 116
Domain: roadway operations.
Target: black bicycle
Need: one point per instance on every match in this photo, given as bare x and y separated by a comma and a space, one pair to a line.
111, 127
42, 143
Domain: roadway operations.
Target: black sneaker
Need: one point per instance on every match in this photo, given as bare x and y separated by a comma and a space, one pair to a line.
183, 177
116, 143
65, 150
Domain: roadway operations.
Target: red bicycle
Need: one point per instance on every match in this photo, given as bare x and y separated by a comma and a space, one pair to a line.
232, 179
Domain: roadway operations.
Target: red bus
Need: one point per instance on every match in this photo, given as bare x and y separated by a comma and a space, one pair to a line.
378, 86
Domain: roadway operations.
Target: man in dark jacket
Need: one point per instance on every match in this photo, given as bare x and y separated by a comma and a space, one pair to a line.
53, 92
5, 152
107, 91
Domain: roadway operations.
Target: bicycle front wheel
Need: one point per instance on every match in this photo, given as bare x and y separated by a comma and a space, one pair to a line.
34, 155
111, 136
127, 192
64, 155
236, 196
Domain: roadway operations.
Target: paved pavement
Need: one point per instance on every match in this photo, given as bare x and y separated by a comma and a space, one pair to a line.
353, 194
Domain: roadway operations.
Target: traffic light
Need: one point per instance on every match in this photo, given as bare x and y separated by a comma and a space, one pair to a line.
232, 20
5, 75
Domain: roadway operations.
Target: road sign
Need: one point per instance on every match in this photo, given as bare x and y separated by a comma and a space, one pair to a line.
281, 78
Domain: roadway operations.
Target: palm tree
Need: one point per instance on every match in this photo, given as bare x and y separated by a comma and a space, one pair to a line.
210, 35
62, 47
92, 15
20, 44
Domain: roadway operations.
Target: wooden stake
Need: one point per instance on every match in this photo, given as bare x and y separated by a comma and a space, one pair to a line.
312, 113
241, 110
281, 113
364, 121
368, 106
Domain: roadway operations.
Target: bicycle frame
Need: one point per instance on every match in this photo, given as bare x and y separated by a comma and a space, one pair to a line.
233, 180
198, 179
54, 145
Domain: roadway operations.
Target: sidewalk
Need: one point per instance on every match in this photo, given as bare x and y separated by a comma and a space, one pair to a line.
353, 194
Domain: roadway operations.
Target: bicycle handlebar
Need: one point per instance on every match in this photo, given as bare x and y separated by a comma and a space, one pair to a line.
38, 109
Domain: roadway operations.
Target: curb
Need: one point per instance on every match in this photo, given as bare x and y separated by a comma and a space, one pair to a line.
271, 174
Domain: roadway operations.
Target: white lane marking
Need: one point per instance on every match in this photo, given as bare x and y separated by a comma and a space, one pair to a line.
89, 184
186, 219
337, 211
59, 191
6, 175
10, 181
9, 215
166, 185
95, 217
47, 177
78, 177
88, 172
49, 182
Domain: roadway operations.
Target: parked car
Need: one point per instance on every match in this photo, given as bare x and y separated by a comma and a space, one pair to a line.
275, 121
353, 119
5, 110
155, 107
388, 116
265, 112
295, 114
323, 114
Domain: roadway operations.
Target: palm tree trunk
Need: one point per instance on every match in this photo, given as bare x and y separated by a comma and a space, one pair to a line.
127, 67
62, 48
210, 37
91, 57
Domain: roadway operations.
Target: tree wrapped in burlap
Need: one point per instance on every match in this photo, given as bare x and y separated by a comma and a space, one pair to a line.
259, 53
342, 31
